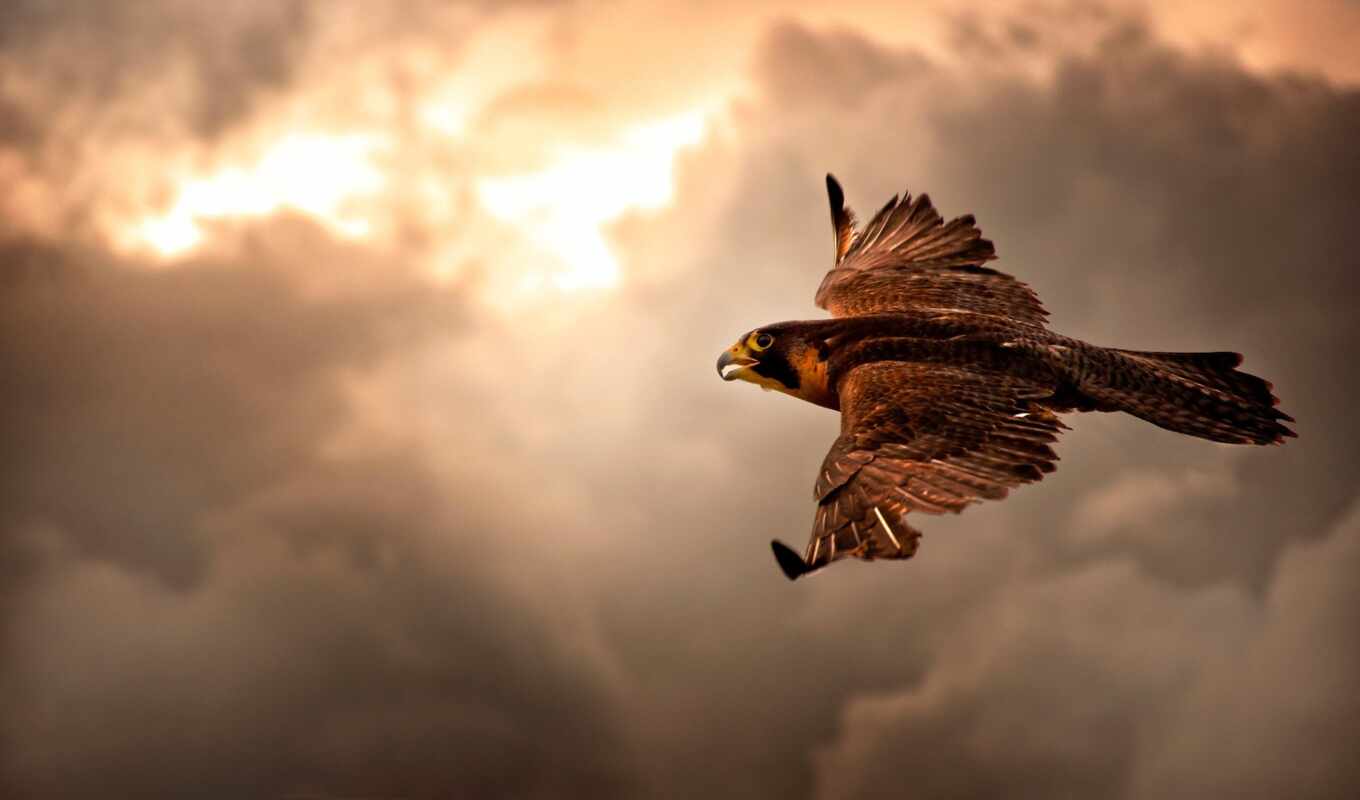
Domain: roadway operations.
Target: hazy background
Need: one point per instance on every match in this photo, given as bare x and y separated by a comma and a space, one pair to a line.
361, 436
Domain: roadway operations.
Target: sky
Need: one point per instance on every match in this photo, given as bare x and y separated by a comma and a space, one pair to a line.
362, 438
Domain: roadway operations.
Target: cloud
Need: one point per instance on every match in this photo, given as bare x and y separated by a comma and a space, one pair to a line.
341, 653
1267, 718
288, 514
145, 68
199, 566
155, 394
1050, 687
1103, 680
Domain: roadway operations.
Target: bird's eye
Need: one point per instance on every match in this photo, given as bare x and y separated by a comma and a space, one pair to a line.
763, 341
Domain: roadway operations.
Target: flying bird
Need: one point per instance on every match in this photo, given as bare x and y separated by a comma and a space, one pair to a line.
949, 382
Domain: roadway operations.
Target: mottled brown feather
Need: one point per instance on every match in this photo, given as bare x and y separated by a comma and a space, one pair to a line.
908, 259
927, 438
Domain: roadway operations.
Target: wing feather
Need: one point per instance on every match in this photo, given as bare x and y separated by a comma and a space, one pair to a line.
908, 259
842, 219
921, 437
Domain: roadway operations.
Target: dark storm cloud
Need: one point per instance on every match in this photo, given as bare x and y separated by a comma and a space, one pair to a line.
1225, 741
160, 393
214, 601
1101, 679
85, 54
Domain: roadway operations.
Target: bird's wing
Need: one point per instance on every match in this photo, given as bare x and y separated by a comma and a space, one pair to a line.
908, 259
920, 437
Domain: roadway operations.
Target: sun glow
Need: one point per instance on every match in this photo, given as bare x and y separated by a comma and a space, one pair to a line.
315, 174
563, 208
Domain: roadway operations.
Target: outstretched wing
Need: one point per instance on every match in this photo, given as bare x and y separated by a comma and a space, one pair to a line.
908, 259
920, 437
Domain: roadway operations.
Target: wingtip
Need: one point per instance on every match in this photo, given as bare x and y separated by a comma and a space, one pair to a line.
789, 561
834, 192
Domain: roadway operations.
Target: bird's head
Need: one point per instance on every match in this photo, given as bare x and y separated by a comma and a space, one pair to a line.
783, 357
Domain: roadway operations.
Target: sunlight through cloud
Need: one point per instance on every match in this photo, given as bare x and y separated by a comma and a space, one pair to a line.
564, 207
315, 174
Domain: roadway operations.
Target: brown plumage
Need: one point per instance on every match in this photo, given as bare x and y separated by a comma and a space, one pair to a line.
949, 381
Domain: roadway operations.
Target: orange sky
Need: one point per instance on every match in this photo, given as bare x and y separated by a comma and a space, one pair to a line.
445, 113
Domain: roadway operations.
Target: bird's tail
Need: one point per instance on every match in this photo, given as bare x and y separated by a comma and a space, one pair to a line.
1200, 394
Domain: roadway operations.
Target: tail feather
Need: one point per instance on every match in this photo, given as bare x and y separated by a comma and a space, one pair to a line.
1214, 370
1200, 394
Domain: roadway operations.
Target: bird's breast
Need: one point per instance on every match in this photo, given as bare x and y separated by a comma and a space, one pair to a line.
814, 381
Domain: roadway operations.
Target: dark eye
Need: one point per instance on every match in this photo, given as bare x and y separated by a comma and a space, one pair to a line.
763, 341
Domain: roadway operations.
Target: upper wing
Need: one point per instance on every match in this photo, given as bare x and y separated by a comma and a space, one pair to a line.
908, 259
920, 437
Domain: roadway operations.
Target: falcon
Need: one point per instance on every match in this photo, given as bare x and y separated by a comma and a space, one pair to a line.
949, 382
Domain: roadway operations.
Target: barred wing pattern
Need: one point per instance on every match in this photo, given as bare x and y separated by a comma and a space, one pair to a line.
920, 437
908, 259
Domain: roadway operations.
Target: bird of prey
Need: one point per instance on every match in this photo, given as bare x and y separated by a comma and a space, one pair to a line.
949, 381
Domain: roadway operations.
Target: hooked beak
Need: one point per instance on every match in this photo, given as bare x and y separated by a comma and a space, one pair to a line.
733, 361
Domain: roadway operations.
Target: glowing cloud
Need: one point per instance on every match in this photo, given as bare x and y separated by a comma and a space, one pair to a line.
318, 175
564, 207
